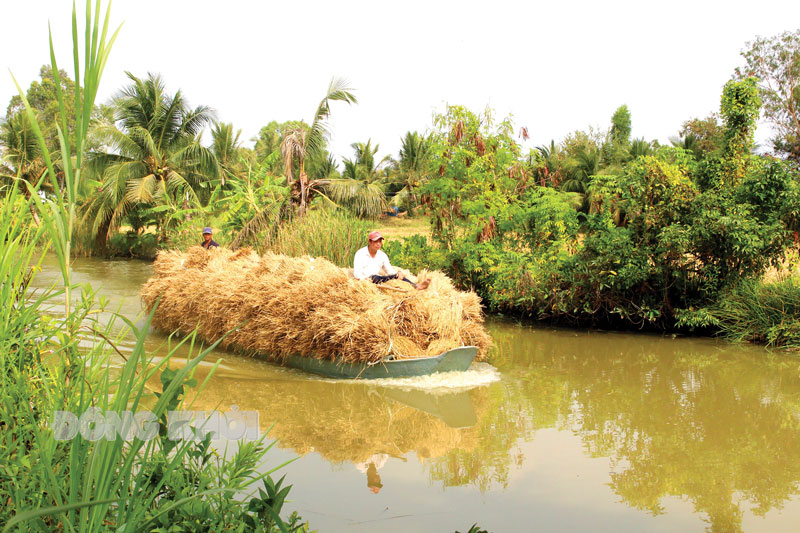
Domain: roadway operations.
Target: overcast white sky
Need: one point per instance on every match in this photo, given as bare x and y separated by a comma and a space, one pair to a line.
556, 67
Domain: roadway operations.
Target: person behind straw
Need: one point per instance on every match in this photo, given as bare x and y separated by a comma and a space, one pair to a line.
370, 260
208, 242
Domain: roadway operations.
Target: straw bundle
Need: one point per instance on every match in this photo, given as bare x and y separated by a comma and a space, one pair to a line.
308, 306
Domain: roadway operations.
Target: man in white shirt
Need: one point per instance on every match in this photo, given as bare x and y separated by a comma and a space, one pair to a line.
370, 260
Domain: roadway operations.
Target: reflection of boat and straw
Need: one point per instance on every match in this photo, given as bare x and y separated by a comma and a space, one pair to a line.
350, 422
308, 313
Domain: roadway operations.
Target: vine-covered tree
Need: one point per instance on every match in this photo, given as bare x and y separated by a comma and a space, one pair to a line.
621, 126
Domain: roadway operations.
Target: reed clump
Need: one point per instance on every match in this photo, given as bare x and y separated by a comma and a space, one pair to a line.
762, 311
275, 306
344, 234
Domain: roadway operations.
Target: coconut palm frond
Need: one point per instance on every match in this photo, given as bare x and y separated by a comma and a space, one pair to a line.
141, 189
197, 159
369, 202
144, 145
224, 143
196, 120
639, 148
108, 135
342, 190
319, 132
97, 162
414, 152
167, 124
264, 220
365, 199
177, 182
117, 216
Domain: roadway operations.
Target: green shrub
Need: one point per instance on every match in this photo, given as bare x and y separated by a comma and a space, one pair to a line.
663, 237
415, 253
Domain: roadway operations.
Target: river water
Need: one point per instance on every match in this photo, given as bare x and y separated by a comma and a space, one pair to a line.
565, 430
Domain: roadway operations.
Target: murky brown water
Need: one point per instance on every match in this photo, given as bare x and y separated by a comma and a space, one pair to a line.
566, 431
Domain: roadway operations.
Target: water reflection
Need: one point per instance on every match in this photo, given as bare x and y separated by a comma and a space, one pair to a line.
352, 422
713, 423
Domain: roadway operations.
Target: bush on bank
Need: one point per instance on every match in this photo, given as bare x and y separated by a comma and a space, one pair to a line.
656, 245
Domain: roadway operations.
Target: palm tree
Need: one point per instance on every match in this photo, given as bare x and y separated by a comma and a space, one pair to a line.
22, 162
639, 148
690, 143
153, 156
22, 155
548, 163
227, 149
322, 166
299, 143
582, 166
412, 168
362, 185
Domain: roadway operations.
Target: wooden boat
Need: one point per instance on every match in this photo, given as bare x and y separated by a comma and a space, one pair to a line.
457, 359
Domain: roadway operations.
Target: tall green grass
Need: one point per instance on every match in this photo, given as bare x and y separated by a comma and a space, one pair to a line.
69, 362
334, 235
762, 311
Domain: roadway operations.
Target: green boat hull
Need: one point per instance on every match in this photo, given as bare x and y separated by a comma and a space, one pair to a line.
455, 360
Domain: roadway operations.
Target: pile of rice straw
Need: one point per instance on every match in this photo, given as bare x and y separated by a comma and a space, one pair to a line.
308, 306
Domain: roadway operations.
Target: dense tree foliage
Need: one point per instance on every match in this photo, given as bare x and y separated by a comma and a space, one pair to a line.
699, 136
661, 241
42, 97
478, 172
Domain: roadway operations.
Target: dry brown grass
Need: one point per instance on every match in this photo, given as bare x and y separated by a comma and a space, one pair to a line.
400, 228
281, 305
788, 268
